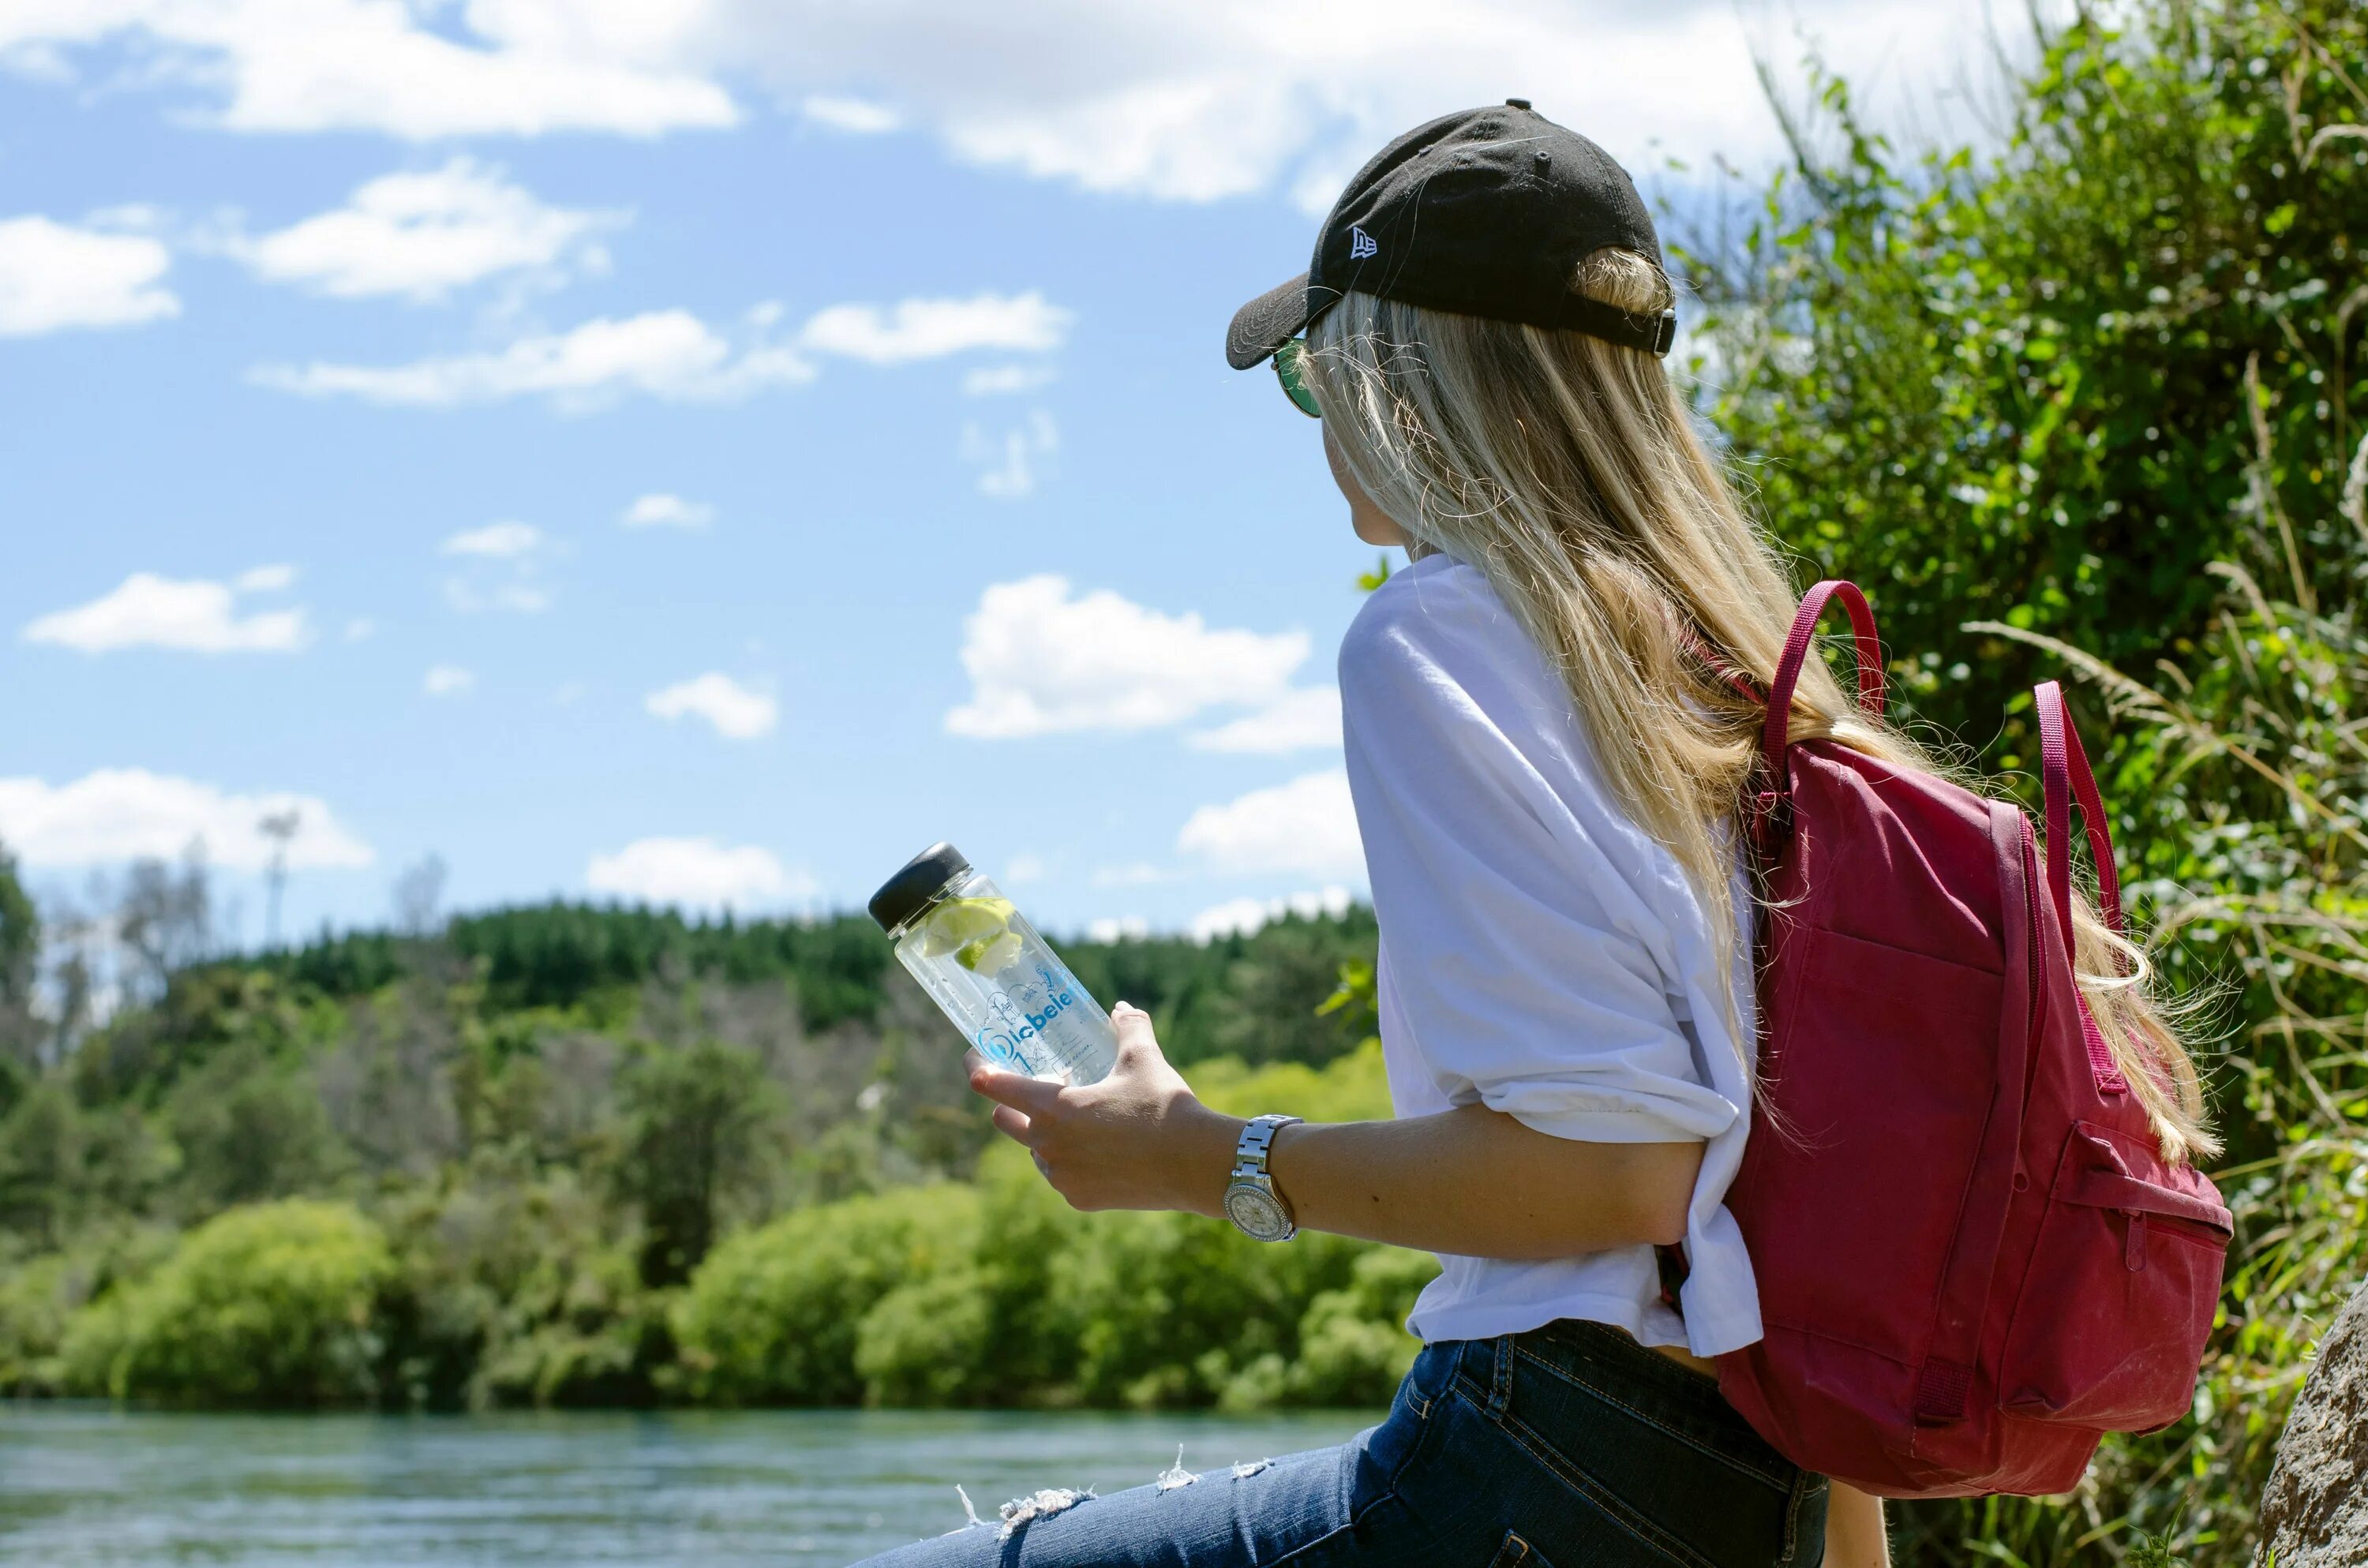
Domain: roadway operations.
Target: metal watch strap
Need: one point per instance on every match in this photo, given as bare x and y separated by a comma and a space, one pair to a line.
1257, 1138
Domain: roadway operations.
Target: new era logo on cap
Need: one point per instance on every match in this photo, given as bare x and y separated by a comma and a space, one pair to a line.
1360, 244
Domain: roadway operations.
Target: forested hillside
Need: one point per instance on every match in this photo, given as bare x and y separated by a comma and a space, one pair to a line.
489, 1163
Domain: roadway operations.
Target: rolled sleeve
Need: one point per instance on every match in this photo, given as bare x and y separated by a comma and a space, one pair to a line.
1523, 960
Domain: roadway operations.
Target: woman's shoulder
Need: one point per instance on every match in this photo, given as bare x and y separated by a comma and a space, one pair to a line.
1439, 614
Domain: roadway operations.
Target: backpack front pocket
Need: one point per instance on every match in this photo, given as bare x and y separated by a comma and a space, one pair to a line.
2113, 1316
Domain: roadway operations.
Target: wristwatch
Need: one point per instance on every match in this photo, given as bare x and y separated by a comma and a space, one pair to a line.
1253, 1205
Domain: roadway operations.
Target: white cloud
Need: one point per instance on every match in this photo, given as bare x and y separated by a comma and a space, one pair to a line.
360, 629
662, 511
993, 380
502, 563
1041, 662
698, 872
1008, 464
1201, 99
669, 355
502, 598
931, 329
502, 541
421, 234
1122, 928
1022, 869
448, 680
1298, 720
1244, 916
1181, 99
513, 67
859, 115
265, 579
737, 712
195, 616
1307, 827
53, 277
126, 813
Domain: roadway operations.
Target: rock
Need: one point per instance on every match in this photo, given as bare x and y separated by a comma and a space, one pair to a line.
2315, 1508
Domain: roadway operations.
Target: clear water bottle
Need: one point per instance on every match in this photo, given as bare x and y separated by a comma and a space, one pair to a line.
980, 960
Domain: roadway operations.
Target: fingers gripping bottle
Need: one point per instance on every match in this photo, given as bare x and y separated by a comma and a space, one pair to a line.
980, 960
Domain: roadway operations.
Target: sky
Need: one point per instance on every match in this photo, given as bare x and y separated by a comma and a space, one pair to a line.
704, 451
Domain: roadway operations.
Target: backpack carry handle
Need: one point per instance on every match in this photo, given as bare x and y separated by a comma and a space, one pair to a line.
1776, 740
2065, 777
2064, 771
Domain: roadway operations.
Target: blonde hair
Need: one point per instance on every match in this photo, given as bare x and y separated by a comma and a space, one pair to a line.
1568, 470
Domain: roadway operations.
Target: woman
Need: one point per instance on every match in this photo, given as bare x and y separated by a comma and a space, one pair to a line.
1546, 732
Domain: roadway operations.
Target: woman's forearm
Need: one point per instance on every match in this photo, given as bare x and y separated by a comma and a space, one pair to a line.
1476, 1182
1470, 1181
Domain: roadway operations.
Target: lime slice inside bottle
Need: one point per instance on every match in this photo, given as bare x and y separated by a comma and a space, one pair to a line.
989, 955
962, 923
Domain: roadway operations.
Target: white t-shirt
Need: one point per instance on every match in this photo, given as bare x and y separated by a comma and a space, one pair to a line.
1541, 953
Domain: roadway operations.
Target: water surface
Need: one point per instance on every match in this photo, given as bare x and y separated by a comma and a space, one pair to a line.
91, 1487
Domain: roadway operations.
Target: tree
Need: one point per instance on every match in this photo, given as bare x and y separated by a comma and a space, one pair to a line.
163, 922
2019, 386
695, 1131
20, 952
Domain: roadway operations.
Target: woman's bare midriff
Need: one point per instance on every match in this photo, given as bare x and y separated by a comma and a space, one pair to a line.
1687, 1358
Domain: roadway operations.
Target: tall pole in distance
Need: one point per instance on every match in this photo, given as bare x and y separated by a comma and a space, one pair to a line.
280, 827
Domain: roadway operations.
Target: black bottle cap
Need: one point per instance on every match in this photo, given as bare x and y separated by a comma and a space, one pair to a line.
908, 892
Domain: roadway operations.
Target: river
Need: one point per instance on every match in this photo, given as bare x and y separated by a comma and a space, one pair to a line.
90, 1487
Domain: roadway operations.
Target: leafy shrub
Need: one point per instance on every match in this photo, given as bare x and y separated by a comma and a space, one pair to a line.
774, 1315
514, 1288
269, 1305
37, 1299
2009, 383
929, 1341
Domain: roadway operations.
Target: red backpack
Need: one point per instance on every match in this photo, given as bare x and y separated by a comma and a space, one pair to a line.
1972, 1261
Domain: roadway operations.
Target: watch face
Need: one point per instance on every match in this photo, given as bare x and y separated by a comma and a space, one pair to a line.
1256, 1214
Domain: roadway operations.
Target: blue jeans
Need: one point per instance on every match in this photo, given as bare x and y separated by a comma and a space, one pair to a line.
1570, 1445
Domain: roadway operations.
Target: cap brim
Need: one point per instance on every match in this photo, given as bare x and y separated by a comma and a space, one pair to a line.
1268, 322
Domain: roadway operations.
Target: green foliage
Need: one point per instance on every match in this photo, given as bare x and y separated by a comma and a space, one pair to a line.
37, 1299
249, 1129
1247, 997
775, 1315
554, 1115
512, 1287
270, 1305
694, 1123
996, 1294
20, 948
2013, 386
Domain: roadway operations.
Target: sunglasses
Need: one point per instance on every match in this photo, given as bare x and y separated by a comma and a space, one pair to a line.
1291, 370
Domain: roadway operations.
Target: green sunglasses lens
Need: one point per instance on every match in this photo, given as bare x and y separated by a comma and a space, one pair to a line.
1290, 369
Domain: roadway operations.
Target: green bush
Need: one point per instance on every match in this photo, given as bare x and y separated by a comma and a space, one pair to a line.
2009, 384
265, 1306
514, 1288
37, 1299
774, 1314
929, 1341
1353, 1347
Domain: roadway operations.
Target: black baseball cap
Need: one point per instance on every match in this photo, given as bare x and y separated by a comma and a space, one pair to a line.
1485, 212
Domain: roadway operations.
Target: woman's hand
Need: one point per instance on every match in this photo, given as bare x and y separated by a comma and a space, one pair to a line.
1139, 1139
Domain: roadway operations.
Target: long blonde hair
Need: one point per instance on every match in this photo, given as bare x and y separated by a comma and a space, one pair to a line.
1567, 468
